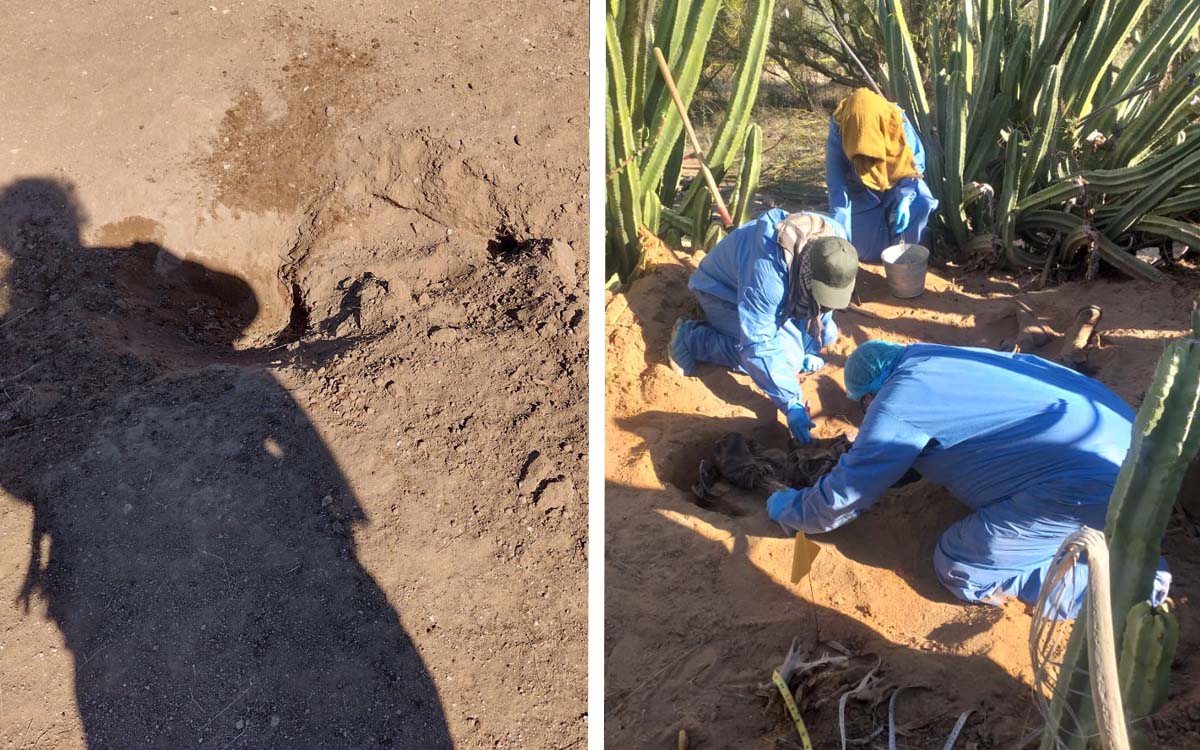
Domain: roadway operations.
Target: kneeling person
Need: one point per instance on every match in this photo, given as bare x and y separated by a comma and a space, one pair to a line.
1032, 447
768, 291
874, 170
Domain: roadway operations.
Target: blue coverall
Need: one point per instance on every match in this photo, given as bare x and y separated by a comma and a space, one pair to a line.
866, 213
1034, 448
742, 287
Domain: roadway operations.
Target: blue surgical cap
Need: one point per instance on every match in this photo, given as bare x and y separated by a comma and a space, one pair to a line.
869, 366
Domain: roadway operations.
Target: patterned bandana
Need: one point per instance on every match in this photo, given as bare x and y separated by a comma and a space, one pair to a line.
793, 234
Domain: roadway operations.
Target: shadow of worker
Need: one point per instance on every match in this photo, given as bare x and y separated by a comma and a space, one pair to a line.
192, 535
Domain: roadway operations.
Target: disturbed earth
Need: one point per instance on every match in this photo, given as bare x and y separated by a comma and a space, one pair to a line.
293, 409
700, 607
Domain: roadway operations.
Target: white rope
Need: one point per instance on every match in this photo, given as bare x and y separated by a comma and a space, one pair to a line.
1046, 639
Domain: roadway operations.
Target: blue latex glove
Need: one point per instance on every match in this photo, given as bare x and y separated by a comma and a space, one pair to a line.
829, 332
780, 501
811, 363
799, 423
903, 214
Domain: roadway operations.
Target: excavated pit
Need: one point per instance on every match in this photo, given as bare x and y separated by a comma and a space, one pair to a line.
331, 407
700, 604
267, 393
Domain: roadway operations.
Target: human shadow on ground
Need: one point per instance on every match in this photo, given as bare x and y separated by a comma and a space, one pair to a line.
693, 625
192, 535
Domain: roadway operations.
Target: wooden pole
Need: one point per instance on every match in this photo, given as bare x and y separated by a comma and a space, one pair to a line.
687, 126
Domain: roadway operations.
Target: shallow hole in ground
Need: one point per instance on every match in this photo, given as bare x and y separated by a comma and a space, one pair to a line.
506, 246
681, 469
298, 317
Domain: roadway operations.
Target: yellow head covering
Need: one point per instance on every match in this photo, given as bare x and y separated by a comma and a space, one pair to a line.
873, 139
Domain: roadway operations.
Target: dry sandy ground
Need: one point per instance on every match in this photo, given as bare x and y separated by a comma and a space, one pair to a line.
292, 347
700, 607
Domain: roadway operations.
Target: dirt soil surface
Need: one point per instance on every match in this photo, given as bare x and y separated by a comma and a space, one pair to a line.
699, 604
293, 375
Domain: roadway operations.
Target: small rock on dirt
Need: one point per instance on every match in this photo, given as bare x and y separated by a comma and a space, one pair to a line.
537, 469
563, 257
560, 494
443, 335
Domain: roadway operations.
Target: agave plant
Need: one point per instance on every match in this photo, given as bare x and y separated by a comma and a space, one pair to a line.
1040, 145
645, 135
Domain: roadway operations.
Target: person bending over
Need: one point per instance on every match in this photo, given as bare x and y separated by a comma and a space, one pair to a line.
1032, 447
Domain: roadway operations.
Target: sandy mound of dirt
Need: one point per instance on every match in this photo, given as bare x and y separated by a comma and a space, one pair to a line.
700, 607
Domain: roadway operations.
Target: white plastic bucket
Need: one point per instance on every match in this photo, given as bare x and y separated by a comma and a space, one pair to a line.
905, 267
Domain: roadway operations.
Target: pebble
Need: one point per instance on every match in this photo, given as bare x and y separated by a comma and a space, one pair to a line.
274, 720
443, 335
562, 255
239, 724
559, 494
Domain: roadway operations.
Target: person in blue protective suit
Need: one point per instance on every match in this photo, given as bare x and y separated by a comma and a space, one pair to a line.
1032, 447
767, 291
874, 167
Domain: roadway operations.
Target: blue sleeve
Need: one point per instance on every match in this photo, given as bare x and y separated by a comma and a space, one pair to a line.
760, 299
836, 166
883, 452
914, 142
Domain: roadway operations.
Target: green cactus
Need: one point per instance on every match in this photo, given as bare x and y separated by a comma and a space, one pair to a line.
1166, 436
621, 163
1048, 82
1166, 439
645, 140
955, 157
1153, 53
747, 184
1006, 219
730, 134
1048, 126
664, 125
1151, 635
